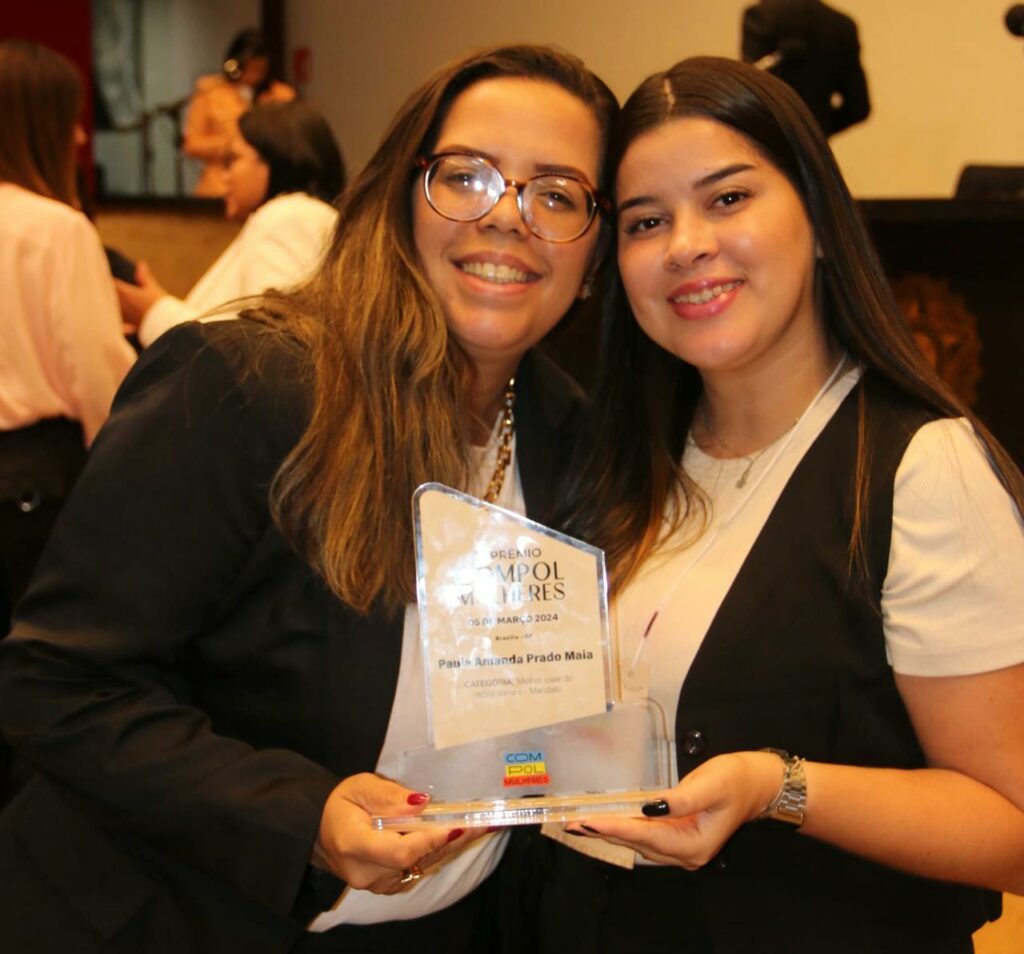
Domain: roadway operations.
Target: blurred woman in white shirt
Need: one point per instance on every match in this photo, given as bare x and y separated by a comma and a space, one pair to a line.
284, 171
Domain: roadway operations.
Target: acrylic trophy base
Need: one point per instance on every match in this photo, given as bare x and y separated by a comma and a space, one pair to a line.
518, 811
610, 763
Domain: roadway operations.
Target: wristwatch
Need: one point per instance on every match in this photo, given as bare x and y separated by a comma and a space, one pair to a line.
790, 803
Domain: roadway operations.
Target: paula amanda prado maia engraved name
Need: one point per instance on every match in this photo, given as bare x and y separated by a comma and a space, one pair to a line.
516, 659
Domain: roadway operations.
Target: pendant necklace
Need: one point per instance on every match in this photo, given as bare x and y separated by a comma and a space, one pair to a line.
753, 458
781, 443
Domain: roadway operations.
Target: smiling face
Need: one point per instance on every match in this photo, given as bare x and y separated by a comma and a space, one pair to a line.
247, 179
716, 251
501, 287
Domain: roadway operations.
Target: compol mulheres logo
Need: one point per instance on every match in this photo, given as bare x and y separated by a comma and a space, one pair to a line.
525, 768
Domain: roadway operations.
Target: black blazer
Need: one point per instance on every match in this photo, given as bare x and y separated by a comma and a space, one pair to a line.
819, 56
186, 686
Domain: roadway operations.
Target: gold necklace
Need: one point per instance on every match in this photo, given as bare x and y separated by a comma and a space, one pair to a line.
504, 455
752, 459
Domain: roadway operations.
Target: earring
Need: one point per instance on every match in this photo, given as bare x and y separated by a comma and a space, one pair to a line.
586, 290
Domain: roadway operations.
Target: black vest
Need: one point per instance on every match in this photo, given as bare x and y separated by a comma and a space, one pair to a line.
795, 659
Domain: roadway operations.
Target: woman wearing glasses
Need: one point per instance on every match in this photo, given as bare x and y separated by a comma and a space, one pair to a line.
817, 550
213, 719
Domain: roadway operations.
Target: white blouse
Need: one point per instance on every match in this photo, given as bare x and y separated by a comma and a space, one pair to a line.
280, 244
62, 350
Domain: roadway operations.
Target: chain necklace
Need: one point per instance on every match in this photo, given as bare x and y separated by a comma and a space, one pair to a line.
505, 432
751, 459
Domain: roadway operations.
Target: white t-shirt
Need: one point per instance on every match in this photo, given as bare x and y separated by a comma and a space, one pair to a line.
952, 601
279, 245
461, 873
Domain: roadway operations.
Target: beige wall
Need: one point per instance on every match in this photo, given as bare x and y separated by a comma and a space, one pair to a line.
179, 245
946, 77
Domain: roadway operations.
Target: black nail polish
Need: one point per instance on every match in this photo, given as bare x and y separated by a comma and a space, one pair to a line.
575, 834
656, 809
592, 831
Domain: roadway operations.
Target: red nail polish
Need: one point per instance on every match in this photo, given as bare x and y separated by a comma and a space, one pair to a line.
454, 833
418, 798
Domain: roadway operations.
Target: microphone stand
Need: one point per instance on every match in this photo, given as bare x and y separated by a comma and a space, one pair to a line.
143, 125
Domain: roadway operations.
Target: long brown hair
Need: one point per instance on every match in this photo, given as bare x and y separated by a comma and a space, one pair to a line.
389, 384
645, 400
40, 102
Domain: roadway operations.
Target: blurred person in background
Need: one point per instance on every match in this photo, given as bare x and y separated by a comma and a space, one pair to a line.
284, 171
62, 351
220, 99
814, 49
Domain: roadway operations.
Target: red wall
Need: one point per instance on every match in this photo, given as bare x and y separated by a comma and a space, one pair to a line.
65, 25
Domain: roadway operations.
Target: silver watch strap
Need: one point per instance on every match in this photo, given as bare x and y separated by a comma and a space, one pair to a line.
790, 804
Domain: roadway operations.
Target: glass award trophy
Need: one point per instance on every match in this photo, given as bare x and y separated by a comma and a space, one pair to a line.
522, 723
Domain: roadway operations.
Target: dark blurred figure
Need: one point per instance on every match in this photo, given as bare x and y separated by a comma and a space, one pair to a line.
990, 182
815, 50
1014, 19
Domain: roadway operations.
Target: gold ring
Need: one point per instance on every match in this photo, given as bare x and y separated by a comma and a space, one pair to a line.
410, 875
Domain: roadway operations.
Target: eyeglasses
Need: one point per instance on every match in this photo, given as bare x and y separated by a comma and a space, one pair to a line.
462, 188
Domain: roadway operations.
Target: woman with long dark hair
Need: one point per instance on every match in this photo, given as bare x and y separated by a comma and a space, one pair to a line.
69, 363
62, 350
816, 550
214, 722
284, 174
